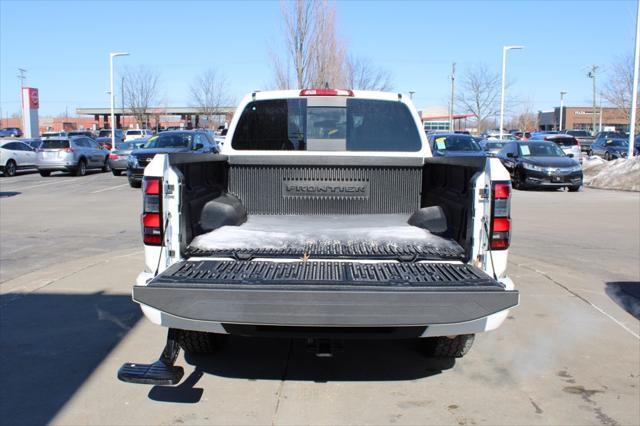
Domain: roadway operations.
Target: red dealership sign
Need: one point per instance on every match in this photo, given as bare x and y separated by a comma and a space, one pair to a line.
34, 100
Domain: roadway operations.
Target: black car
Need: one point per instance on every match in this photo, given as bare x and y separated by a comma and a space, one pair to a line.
540, 164
454, 145
610, 149
193, 141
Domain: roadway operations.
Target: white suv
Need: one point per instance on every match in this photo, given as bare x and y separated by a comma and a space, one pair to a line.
137, 134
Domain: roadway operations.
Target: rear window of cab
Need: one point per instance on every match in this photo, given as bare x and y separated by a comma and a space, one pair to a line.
295, 125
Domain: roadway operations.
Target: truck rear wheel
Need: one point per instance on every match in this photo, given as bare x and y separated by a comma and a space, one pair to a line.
445, 347
199, 342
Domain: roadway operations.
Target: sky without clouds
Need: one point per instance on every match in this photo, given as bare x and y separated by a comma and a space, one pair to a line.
65, 45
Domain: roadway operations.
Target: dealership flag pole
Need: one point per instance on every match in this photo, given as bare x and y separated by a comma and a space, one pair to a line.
634, 92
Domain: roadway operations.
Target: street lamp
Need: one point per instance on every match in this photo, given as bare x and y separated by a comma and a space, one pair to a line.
634, 91
561, 106
113, 121
504, 71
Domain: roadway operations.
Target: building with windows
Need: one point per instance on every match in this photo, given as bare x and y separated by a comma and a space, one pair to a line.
437, 119
581, 118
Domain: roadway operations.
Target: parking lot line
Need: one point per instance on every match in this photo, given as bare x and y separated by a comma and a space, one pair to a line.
109, 189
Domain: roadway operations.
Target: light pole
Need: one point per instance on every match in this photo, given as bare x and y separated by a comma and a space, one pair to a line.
592, 75
505, 49
634, 92
561, 106
453, 79
113, 121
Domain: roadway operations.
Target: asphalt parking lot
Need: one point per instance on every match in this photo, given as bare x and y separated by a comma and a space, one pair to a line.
70, 249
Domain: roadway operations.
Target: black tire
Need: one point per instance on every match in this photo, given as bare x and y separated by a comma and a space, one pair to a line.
589, 153
444, 347
81, 168
607, 156
574, 188
45, 173
106, 168
10, 168
516, 181
198, 342
116, 172
135, 183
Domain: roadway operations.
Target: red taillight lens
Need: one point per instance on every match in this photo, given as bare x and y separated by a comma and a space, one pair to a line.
500, 235
152, 186
113, 156
69, 149
152, 227
326, 92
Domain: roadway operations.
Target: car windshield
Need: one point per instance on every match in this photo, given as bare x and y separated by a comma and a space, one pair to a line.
617, 142
134, 132
175, 140
455, 143
539, 149
614, 135
55, 144
494, 145
577, 133
125, 146
332, 125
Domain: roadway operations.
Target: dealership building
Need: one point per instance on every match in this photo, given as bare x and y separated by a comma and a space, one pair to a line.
581, 118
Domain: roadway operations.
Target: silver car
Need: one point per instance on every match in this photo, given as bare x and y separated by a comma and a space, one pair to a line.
118, 157
74, 154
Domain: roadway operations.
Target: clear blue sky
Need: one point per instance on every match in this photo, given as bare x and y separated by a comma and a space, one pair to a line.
65, 45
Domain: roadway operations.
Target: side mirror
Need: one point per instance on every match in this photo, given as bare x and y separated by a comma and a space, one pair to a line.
510, 154
570, 155
199, 146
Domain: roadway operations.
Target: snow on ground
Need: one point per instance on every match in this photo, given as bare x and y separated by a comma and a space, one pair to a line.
621, 174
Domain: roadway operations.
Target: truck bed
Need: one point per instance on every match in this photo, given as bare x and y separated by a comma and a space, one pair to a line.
386, 236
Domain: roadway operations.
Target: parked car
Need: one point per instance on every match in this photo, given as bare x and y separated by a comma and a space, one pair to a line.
13, 132
118, 158
32, 142
567, 143
492, 146
16, 155
131, 134
611, 149
540, 163
54, 135
106, 133
602, 136
105, 142
454, 145
522, 136
584, 138
87, 133
75, 154
194, 141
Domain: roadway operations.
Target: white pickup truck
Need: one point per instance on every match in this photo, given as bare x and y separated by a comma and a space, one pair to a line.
324, 217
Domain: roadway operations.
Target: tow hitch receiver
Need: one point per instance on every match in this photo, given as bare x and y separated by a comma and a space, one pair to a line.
161, 372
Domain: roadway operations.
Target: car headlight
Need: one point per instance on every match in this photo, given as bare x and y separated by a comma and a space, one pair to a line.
533, 167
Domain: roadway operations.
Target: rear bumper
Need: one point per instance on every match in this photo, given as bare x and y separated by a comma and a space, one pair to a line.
118, 164
66, 166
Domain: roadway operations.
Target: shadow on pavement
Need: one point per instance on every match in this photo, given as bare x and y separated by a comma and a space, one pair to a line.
50, 344
290, 359
9, 193
626, 294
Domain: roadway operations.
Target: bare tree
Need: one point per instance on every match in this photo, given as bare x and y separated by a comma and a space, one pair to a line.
140, 91
479, 93
618, 88
328, 55
361, 74
209, 93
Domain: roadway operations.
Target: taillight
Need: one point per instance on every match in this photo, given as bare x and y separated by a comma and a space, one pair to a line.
68, 149
325, 92
500, 235
113, 156
152, 229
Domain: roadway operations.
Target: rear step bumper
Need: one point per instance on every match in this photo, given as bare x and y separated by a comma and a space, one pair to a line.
325, 293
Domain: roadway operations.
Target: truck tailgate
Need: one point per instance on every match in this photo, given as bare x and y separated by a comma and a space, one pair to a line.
325, 293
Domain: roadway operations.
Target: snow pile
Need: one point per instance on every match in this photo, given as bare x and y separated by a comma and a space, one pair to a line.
277, 232
621, 174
